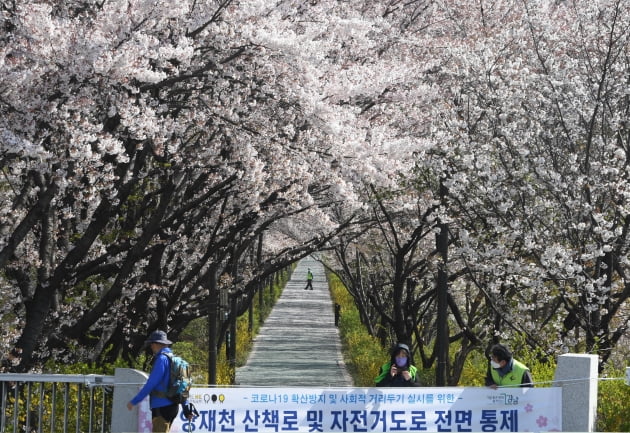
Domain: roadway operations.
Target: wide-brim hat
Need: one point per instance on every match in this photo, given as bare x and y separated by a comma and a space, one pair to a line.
158, 337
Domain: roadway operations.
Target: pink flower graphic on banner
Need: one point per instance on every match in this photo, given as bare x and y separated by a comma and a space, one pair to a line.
145, 424
541, 421
529, 407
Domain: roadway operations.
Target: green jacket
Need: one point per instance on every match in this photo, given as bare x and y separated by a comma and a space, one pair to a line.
385, 379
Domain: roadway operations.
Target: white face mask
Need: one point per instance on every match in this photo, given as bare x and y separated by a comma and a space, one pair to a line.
494, 364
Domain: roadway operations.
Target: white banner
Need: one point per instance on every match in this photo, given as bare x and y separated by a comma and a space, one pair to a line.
309, 410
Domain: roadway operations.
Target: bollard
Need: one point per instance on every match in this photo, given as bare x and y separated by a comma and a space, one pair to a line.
577, 375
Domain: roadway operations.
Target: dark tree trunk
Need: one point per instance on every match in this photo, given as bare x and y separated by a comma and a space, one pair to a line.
442, 340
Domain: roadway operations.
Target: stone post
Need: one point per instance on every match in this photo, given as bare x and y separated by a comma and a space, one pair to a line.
577, 375
127, 383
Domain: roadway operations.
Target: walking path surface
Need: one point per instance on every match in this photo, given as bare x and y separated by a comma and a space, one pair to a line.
298, 345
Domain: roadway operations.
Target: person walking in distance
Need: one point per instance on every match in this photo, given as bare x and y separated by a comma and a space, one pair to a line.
163, 410
309, 280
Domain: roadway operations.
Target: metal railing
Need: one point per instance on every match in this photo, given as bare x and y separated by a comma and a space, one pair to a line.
37, 403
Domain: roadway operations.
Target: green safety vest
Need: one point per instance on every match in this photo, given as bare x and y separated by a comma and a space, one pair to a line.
514, 377
385, 370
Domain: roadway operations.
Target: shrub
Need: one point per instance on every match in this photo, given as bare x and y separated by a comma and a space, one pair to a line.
362, 352
613, 403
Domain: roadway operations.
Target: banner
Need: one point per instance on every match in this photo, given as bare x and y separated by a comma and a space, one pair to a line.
450, 409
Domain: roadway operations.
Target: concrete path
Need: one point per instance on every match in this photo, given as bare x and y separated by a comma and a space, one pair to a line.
298, 344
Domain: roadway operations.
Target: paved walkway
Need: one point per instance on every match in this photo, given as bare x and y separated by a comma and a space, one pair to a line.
298, 344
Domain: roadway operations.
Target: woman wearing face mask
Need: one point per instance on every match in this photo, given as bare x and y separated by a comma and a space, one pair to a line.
398, 371
504, 370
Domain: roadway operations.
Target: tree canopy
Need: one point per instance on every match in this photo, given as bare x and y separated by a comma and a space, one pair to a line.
148, 147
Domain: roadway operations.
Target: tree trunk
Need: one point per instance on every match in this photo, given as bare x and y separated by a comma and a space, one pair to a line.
213, 295
442, 302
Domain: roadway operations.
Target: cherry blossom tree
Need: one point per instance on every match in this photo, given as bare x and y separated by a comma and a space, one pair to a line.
540, 132
147, 148
142, 143
528, 120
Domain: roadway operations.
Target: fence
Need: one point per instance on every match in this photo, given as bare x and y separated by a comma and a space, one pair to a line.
55, 403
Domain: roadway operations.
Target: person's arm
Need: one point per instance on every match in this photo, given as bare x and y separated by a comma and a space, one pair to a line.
527, 380
414, 381
386, 381
489, 380
385, 376
160, 367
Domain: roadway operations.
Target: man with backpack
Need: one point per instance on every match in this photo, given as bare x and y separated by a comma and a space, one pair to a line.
164, 405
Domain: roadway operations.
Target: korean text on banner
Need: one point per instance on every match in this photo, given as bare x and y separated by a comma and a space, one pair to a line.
374, 410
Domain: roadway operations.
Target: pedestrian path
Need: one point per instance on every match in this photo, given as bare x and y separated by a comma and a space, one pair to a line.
298, 345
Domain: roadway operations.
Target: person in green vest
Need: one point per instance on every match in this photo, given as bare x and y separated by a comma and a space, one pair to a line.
399, 371
505, 371
309, 280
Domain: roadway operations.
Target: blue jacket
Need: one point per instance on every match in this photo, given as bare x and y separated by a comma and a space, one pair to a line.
157, 381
